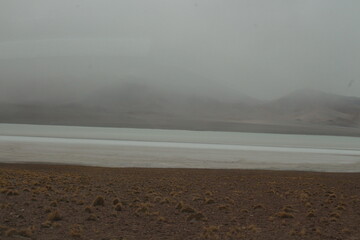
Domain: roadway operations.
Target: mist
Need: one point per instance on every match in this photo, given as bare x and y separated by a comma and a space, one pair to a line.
66, 50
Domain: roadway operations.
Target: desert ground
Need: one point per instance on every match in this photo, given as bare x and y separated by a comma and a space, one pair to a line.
39, 201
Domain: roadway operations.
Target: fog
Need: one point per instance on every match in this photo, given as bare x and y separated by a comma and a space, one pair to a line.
64, 50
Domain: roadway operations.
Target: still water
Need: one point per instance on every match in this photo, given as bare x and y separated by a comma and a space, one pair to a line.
126, 147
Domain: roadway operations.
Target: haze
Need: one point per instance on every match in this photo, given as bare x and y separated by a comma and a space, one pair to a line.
63, 50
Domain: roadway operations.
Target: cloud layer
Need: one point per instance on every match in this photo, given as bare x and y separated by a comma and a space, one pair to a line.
65, 49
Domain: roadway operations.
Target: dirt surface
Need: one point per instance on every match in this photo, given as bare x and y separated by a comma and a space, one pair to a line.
73, 202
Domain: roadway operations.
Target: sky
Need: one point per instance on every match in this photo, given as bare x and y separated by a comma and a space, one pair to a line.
55, 50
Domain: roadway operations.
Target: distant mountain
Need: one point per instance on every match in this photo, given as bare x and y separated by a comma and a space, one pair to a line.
140, 105
136, 98
315, 107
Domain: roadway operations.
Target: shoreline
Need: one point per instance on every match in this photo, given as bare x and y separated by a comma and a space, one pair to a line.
201, 126
58, 164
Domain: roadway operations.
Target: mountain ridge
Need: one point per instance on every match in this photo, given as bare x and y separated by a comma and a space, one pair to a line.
145, 106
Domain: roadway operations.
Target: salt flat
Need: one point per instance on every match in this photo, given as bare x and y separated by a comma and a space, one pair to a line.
116, 147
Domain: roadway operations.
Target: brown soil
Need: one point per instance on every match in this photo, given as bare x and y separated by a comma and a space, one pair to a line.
73, 202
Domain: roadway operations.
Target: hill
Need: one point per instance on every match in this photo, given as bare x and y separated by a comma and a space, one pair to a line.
143, 106
315, 107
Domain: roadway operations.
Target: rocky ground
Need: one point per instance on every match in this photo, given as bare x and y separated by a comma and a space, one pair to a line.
74, 202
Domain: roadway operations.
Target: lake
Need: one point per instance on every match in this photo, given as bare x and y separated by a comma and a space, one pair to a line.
126, 147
